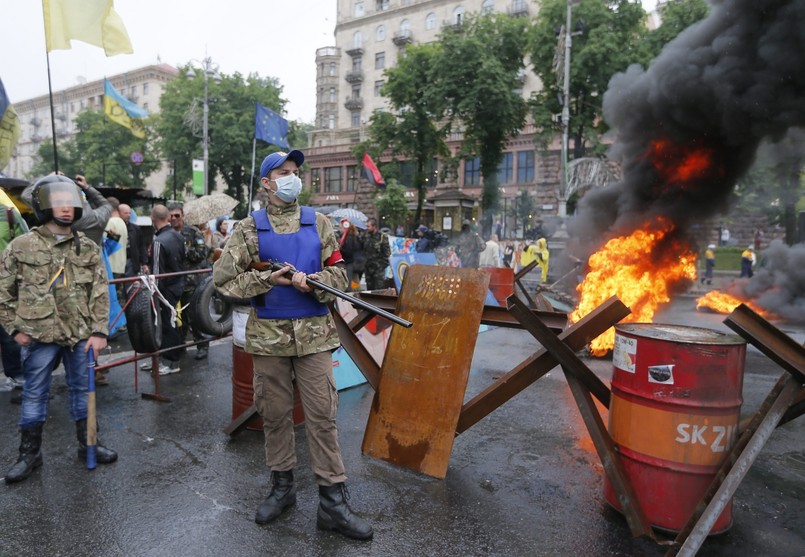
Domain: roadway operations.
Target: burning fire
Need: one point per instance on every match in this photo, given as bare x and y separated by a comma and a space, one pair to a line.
722, 302
640, 269
682, 166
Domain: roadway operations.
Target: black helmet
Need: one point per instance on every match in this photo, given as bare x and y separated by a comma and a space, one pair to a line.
42, 199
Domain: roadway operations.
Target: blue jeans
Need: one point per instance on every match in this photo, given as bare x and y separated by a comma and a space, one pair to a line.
38, 361
12, 365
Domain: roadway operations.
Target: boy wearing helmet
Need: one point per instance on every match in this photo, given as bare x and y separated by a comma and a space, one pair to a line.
54, 301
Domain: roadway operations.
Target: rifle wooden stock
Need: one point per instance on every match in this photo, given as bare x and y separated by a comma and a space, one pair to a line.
276, 266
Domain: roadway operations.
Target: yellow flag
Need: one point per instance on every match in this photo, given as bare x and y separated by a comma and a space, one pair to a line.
9, 134
122, 111
90, 21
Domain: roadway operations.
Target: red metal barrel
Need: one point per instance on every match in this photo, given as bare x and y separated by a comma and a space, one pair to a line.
674, 412
501, 282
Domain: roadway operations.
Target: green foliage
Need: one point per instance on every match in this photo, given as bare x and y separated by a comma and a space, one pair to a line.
611, 40
677, 15
230, 123
414, 130
392, 206
101, 151
478, 66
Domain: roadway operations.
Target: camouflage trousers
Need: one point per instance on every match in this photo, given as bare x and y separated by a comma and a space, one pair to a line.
375, 278
274, 379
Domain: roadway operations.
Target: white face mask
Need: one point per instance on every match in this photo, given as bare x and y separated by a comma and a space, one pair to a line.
288, 187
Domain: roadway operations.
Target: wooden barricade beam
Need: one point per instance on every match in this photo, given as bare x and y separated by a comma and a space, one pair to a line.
577, 336
519, 275
582, 382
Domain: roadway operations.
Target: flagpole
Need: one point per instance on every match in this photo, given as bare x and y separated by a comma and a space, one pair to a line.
251, 176
52, 116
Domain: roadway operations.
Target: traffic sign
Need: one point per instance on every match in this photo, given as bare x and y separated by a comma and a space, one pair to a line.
137, 158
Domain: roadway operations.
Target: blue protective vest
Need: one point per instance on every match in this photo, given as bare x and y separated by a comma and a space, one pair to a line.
302, 249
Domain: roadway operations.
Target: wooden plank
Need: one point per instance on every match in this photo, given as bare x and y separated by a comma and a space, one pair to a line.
423, 379
541, 362
239, 424
357, 351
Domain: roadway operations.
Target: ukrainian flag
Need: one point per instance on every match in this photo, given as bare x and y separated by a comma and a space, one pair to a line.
122, 111
9, 128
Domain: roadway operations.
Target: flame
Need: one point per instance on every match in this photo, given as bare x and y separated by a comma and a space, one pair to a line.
722, 302
682, 165
640, 269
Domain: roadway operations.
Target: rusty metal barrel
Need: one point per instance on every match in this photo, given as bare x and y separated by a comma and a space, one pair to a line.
674, 412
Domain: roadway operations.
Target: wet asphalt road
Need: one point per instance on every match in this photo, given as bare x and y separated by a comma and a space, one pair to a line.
523, 481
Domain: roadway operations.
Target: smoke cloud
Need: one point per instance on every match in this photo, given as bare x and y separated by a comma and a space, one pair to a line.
688, 127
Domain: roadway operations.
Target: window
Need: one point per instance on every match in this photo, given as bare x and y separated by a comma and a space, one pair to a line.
352, 178
380, 60
332, 179
357, 62
525, 167
356, 91
358, 12
382, 5
72, 107
145, 106
331, 123
332, 95
506, 169
430, 21
405, 28
145, 88
332, 68
378, 87
357, 40
472, 172
380, 33
458, 15
407, 171
488, 7
133, 92
315, 180
355, 118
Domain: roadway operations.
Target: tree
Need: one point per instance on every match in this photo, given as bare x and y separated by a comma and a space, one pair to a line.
414, 129
479, 64
101, 151
523, 208
392, 206
230, 123
677, 15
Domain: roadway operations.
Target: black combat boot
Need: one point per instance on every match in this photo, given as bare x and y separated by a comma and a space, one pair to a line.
335, 514
102, 454
30, 455
282, 496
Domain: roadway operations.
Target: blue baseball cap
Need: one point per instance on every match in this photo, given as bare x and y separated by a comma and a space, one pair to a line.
275, 160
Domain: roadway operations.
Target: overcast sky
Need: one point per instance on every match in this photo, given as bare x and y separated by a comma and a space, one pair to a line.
276, 38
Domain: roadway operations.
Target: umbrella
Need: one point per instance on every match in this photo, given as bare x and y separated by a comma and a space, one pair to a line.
208, 207
351, 215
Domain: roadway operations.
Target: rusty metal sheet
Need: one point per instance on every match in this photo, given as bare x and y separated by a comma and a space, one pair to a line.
424, 375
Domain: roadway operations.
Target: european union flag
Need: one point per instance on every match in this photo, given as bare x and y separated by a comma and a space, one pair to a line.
271, 127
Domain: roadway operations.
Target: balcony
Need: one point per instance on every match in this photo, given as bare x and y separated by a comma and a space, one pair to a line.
402, 38
354, 103
356, 51
354, 77
518, 8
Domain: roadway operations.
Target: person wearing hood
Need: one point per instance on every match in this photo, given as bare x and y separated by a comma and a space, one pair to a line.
290, 334
542, 256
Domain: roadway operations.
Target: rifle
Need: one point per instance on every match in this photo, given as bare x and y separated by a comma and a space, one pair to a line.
276, 266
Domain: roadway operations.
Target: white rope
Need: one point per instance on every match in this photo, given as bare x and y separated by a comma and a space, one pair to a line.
150, 283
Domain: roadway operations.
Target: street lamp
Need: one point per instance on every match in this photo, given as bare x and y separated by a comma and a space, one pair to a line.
568, 40
210, 69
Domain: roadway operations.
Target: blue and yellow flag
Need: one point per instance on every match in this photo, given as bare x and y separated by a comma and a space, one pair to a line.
91, 21
122, 111
9, 127
271, 127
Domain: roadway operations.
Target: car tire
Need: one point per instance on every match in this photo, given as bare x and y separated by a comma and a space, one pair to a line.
145, 332
209, 311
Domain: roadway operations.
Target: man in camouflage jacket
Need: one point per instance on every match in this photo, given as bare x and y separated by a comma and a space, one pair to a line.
377, 249
54, 301
196, 253
290, 334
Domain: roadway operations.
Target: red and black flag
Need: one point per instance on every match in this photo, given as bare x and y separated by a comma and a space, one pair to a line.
372, 173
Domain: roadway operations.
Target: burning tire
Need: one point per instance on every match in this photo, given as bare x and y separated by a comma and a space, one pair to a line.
209, 311
145, 331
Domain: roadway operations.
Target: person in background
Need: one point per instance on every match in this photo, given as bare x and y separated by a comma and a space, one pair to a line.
508, 254
349, 246
54, 298
11, 225
196, 256
291, 334
378, 250
136, 254
748, 262
469, 245
117, 231
221, 232
490, 257
709, 264
542, 255
167, 256
423, 243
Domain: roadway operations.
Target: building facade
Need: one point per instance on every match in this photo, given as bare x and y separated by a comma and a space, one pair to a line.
369, 37
143, 86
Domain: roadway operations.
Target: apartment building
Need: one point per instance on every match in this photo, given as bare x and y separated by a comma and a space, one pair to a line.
143, 86
370, 36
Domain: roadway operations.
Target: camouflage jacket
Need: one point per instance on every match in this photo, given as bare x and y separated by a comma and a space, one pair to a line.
232, 277
196, 254
377, 250
50, 292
